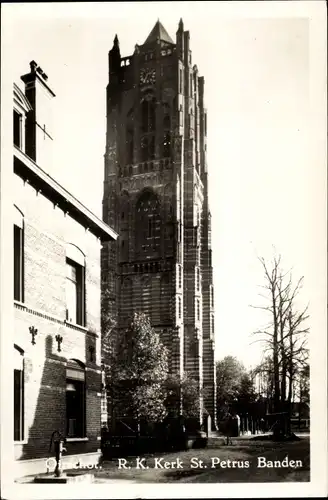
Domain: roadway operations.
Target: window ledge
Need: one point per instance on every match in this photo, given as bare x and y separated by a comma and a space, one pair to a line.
20, 443
69, 324
20, 304
76, 439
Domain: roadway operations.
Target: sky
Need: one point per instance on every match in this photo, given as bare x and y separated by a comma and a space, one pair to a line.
267, 180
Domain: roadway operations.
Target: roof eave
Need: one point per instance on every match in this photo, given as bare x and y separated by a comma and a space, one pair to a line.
30, 171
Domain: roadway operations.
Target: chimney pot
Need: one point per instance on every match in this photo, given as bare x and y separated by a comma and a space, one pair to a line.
33, 66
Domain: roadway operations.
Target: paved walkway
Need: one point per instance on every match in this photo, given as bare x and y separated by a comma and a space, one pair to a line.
243, 449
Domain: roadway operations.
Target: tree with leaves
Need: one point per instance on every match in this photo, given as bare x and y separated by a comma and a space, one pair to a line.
137, 370
285, 336
229, 377
182, 392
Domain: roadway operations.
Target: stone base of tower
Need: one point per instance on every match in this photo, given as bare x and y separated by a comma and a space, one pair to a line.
193, 362
209, 382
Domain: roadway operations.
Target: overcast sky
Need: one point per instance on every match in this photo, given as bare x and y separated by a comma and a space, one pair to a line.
267, 184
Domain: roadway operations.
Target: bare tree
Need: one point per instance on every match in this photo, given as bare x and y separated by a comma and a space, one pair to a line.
285, 336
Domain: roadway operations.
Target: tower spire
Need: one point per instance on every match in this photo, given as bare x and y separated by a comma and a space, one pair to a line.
114, 57
158, 33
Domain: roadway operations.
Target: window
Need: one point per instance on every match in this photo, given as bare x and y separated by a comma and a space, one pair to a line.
179, 307
148, 115
18, 394
198, 279
179, 276
75, 399
212, 323
18, 256
148, 124
212, 296
148, 222
75, 288
190, 85
180, 81
198, 310
147, 148
17, 129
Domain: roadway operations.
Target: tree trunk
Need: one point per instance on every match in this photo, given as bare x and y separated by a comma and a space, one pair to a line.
276, 381
290, 369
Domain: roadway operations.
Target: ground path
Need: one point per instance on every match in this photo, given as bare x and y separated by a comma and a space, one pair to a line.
208, 469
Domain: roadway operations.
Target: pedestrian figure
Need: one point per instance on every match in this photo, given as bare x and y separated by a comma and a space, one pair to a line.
229, 429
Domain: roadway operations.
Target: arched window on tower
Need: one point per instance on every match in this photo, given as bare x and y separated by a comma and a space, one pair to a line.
148, 126
147, 148
148, 223
148, 114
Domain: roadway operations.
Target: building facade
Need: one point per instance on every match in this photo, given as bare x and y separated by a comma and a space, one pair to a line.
57, 337
156, 197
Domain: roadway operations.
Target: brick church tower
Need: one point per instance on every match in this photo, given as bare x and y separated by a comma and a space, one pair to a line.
156, 198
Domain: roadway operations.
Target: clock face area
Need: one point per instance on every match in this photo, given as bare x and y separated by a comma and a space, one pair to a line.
147, 76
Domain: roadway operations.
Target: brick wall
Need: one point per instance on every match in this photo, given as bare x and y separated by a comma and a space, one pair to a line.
47, 230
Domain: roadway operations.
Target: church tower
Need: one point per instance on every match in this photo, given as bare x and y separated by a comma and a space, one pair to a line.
156, 198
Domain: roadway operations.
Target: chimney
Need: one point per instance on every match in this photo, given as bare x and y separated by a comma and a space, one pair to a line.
39, 130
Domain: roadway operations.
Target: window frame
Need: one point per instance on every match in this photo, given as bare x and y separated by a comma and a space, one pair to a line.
148, 218
80, 295
21, 416
179, 276
18, 116
18, 255
74, 369
179, 307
